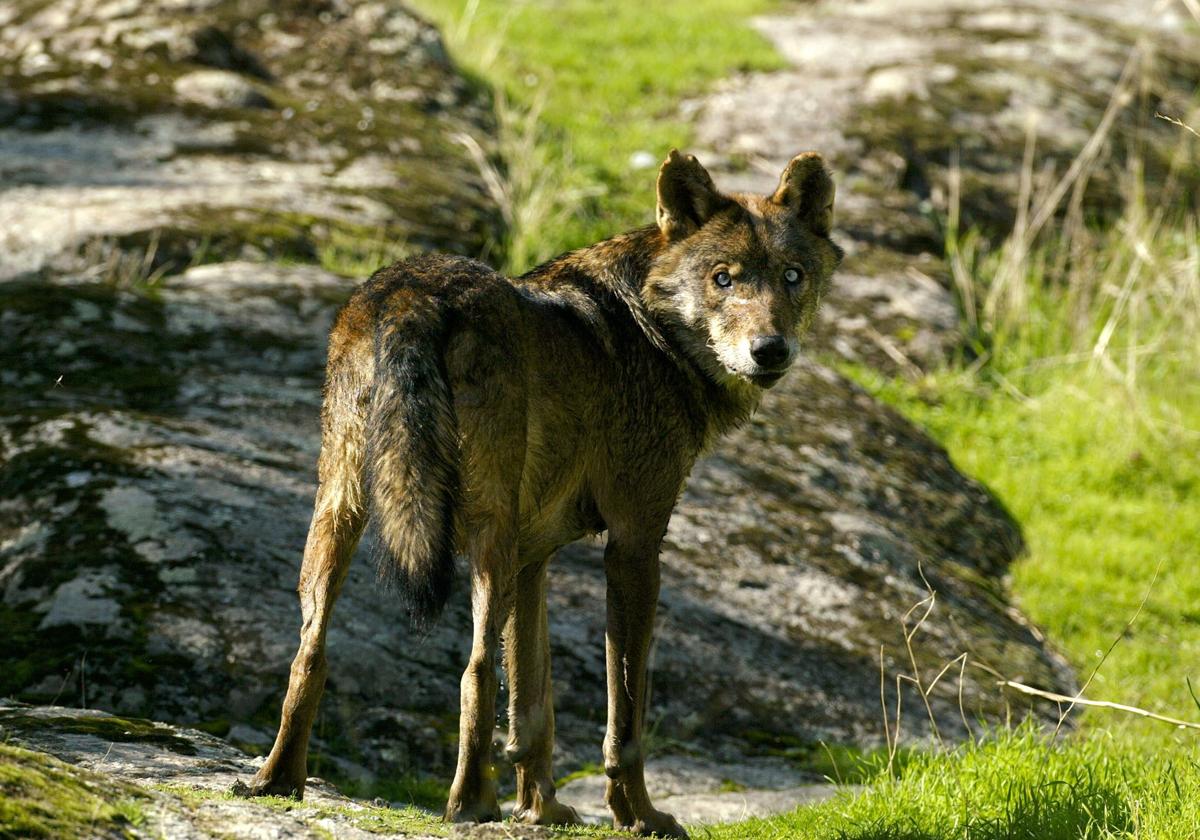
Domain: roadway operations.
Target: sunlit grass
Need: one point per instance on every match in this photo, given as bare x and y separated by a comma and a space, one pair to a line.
606, 81
1105, 507
1081, 411
1015, 786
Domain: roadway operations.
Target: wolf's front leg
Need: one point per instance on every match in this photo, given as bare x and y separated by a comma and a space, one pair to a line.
633, 575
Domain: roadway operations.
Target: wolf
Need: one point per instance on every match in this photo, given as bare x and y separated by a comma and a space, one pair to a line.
467, 413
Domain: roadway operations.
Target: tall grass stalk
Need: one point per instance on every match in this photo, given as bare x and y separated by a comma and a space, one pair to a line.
530, 180
529, 174
1118, 298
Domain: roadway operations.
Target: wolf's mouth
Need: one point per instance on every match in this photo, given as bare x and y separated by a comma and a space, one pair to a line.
767, 378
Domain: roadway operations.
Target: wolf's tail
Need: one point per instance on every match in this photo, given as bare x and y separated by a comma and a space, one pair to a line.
413, 460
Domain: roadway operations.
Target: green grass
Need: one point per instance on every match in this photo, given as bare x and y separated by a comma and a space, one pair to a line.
359, 256
1083, 416
424, 792
1105, 505
1081, 412
1012, 787
606, 80
591, 768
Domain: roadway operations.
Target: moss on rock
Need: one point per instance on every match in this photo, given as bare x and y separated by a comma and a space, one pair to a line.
358, 131
43, 797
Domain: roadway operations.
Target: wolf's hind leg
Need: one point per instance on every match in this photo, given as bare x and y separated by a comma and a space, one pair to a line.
531, 702
473, 792
485, 372
337, 525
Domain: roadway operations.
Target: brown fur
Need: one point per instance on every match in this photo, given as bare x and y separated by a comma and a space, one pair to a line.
502, 419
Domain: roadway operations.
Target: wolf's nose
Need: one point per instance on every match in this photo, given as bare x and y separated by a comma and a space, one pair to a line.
769, 350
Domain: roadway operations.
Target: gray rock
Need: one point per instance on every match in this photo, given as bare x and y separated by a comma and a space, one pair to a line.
701, 791
177, 780
120, 148
704, 807
160, 759
219, 89
83, 600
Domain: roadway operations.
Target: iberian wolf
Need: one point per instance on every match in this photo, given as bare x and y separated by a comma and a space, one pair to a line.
471, 414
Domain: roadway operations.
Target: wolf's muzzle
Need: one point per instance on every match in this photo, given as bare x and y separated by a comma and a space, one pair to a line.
770, 351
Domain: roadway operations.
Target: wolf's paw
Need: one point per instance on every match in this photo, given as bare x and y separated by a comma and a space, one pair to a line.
485, 810
655, 823
268, 785
549, 812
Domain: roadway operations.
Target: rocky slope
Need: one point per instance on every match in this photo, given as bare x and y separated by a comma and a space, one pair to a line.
188, 131
81, 773
70, 773
162, 347
928, 111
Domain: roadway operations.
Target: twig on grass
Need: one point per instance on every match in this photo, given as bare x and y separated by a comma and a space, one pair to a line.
1180, 123
1104, 704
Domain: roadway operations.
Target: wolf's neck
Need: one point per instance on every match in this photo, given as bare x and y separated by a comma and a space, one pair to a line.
622, 265
618, 266
725, 400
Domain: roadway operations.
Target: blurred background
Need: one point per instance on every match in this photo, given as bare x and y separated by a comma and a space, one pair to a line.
978, 500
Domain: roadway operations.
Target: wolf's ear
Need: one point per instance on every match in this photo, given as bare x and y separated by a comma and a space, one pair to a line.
687, 197
806, 188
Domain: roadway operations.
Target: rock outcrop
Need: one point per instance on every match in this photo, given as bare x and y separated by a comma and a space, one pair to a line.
162, 353
178, 132
146, 779
927, 111
73, 773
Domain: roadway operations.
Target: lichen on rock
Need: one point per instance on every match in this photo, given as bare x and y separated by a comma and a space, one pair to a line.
74, 773
126, 123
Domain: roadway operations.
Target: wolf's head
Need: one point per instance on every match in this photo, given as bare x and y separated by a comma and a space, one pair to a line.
741, 276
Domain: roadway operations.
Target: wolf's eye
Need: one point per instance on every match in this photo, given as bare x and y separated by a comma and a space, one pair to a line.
792, 276
723, 279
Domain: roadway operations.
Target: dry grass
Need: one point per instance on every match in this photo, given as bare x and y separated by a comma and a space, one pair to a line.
530, 181
1060, 291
